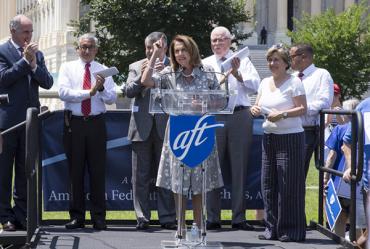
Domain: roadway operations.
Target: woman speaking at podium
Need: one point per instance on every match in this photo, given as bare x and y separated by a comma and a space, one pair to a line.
188, 74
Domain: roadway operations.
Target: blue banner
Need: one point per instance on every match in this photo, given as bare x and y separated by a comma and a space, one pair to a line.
118, 169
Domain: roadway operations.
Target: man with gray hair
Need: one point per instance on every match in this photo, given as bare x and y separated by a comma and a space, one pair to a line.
84, 135
22, 72
235, 139
146, 132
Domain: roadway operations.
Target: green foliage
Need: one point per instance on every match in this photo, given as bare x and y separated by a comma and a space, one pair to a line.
342, 45
122, 25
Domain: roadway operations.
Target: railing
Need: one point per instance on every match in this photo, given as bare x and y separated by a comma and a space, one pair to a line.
31, 168
357, 150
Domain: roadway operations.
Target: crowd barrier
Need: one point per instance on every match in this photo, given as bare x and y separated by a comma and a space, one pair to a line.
118, 167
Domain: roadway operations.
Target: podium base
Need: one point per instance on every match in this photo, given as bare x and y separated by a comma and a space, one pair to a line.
166, 244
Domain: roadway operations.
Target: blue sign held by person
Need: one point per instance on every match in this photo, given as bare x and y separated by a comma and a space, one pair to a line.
192, 138
332, 205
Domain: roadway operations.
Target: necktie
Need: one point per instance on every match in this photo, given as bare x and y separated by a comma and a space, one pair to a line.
300, 75
86, 104
21, 50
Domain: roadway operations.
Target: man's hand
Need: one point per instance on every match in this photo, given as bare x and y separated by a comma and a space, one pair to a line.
158, 66
256, 110
235, 64
99, 85
29, 54
347, 175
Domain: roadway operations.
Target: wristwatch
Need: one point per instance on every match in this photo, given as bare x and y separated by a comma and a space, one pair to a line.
285, 115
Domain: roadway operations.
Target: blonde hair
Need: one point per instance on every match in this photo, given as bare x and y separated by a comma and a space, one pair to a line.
281, 51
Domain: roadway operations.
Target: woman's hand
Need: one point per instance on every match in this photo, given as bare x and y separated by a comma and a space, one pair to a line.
158, 47
255, 110
275, 116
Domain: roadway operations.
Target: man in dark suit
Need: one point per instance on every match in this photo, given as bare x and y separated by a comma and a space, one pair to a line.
146, 133
22, 72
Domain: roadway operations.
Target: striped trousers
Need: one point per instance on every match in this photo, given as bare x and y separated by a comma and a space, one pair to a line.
283, 185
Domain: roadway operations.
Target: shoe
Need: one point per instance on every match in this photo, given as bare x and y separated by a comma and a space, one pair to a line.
100, 225
74, 224
243, 226
142, 225
213, 225
169, 226
9, 227
285, 238
265, 237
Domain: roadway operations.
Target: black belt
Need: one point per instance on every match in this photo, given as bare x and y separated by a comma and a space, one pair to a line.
87, 118
240, 107
311, 128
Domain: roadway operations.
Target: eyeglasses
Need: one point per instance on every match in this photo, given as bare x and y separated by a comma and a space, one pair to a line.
84, 48
220, 40
295, 55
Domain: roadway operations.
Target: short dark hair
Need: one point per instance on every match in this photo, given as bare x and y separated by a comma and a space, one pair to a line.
155, 36
304, 48
190, 46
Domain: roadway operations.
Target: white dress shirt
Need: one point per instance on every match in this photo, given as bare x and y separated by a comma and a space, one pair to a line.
70, 82
249, 73
319, 89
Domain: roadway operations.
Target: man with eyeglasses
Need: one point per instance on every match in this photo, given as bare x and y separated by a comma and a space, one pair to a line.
146, 133
319, 89
84, 135
234, 140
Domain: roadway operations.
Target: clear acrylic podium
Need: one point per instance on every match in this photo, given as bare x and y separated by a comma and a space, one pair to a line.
180, 102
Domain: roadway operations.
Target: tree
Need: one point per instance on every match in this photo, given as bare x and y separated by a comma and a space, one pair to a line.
342, 45
122, 25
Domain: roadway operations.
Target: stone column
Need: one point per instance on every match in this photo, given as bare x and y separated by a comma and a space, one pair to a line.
281, 22
315, 7
7, 12
250, 26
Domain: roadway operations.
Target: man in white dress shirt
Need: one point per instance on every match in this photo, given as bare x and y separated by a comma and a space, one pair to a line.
319, 89
235, 139
85, 96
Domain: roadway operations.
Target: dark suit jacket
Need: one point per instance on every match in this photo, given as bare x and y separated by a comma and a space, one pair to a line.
14, 81
141, 122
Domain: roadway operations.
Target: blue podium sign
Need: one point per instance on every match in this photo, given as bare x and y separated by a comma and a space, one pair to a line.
332, 205
192, 138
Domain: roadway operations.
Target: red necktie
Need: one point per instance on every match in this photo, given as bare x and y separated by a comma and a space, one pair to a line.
300, 75
86, 104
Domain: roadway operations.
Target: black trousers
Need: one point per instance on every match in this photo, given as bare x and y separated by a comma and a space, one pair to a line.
85, 146
13, 154
311, 142
283, 185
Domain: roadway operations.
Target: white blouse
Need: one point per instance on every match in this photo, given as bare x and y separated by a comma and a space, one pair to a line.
281, 99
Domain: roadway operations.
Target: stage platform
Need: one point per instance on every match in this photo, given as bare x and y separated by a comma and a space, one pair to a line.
126, 237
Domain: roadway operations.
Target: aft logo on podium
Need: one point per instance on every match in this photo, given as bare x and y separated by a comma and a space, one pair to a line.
192, 138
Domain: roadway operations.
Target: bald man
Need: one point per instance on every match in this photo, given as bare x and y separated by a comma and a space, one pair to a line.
22, 72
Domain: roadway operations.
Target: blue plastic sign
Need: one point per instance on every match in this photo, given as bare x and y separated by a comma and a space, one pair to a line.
332, 205
192, 138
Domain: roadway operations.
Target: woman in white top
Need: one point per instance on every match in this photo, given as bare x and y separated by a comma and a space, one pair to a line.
281, 98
